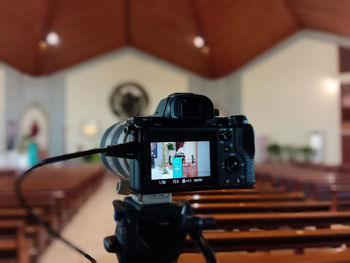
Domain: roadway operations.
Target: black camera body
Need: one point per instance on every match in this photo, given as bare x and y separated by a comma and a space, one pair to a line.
184, 146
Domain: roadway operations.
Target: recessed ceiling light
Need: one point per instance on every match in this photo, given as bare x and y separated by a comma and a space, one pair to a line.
52, 39
42, 45
206, 50
198, 41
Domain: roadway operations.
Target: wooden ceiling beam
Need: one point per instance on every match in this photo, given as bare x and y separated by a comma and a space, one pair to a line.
166, 30
202, 32
20, 27
43, 46
86, 31
240, 31
127, 14
235, 31
324, 15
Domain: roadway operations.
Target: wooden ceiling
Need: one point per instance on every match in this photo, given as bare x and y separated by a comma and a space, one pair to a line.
235, 31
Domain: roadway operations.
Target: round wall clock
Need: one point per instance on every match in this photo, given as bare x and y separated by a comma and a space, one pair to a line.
129, 100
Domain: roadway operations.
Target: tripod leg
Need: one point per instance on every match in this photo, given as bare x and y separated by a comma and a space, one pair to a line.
204, 246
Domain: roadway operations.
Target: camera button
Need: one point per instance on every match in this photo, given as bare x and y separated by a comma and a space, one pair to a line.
232, 164
225, 136
227, 180
227, 149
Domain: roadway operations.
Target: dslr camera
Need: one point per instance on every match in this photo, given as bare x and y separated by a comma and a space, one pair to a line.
183, 146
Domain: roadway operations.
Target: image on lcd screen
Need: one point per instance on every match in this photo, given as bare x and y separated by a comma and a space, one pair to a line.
184, 159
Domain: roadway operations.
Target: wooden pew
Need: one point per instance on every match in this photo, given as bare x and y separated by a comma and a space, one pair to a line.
200, 198
279, 173
278, 220
258, 189
8, 173
340, 197
273, 239
261, 207
56, 192
315, 183
74, 185
49, 203
12, 241
272, 215
315, 256
36, 235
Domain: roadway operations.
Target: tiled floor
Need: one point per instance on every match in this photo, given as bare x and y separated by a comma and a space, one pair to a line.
87, 229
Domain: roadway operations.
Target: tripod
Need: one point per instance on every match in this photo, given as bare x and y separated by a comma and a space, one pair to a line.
155, 232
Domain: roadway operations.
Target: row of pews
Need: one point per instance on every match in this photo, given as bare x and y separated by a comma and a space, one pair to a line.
56, 193
319, 184
294, 214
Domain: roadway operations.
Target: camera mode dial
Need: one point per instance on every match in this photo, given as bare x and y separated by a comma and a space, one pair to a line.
225, 135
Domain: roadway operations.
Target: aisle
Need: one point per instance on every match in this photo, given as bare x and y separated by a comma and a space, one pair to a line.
87, 229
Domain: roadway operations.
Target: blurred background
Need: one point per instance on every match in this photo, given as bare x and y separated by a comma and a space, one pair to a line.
282, 63
70, 69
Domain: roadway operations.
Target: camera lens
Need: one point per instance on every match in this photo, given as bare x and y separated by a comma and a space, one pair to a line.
232, 164
115, 135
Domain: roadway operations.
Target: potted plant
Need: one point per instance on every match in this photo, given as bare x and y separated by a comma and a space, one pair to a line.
289, 153
274, 151
307, 153
170, 150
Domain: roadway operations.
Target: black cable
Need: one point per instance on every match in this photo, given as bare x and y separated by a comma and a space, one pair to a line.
29, 208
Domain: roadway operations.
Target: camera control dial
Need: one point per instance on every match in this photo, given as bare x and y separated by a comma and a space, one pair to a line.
232, 164
238, 119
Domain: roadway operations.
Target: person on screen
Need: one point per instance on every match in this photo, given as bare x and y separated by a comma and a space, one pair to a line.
180, 151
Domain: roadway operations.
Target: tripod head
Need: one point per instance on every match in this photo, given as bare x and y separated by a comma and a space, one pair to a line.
155, 232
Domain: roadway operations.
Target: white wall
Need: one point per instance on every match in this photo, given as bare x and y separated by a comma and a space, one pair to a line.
23, 91
81, 93
225, 93
89, 87
286, 94
283, 92
2, 111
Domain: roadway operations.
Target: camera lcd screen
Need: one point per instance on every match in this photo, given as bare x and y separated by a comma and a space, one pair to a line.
181, 161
